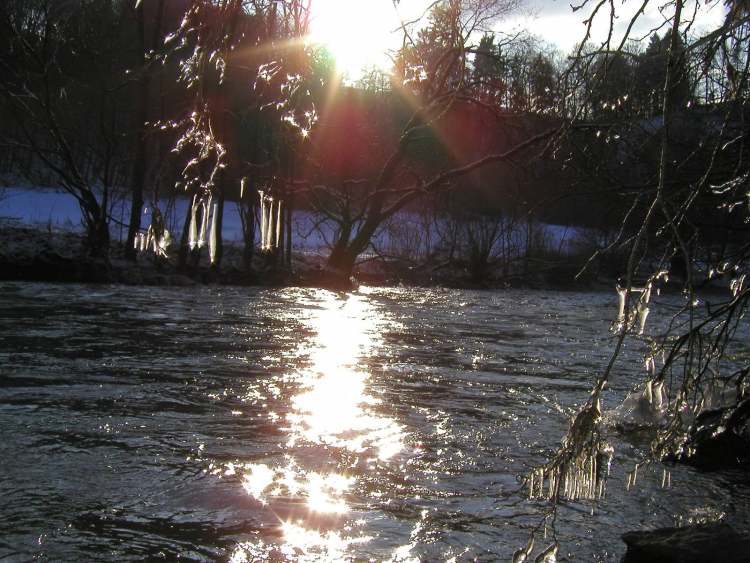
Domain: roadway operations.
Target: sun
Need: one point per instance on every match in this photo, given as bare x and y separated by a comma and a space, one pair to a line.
357, 33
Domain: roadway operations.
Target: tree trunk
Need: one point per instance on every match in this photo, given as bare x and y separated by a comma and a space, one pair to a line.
247, 214
97, 235
138, 174
184, 251
340, 264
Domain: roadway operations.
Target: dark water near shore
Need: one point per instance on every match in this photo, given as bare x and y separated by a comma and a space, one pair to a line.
302, 424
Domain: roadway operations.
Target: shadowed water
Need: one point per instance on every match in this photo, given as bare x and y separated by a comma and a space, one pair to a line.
301, 424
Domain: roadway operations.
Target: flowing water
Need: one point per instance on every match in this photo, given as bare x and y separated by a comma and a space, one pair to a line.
301, 424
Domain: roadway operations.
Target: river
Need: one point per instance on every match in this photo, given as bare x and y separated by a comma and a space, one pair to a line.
301, 424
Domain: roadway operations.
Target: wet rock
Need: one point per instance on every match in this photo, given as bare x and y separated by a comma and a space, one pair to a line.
720, 438
690, 544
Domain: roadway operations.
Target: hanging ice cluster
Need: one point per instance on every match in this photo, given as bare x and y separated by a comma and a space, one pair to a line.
582, 479
270, 222
736, 285
547, 555
637, 314
643, 407
581, 468
156, 238
204, 220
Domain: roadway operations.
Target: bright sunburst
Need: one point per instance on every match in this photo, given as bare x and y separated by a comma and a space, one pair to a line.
356, 32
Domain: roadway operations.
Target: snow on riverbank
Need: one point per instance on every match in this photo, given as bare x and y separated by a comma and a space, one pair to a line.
55, 209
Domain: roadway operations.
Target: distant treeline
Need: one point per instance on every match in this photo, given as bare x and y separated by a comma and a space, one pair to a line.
156, 97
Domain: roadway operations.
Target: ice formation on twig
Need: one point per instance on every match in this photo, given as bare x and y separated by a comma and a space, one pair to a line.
156, 238
520, 555
639, 313
580, 469
278, 223
214, 234
549, 555
270, 222
193, 231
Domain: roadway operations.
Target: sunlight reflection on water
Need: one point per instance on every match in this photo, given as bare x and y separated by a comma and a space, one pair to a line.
333, 408
303, 425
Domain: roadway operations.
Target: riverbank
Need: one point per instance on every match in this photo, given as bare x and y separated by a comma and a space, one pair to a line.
52, 255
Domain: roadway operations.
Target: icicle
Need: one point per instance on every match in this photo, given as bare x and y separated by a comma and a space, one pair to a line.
647, 294
621, 311
635, 474
269, 227
213, 237
204, 223
207, 219
164, 242
592, 482
269, 224
531, 485
643, 312
243, 183
262, 221
193, 237
648, 393
627, 482
135, 240
143, 242
663, 477
278, 223
201, 228
541, 483
520, 555
669, 479
657, 391
264, 229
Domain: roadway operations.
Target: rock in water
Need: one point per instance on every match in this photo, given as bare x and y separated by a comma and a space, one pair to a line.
691, 544
720, 438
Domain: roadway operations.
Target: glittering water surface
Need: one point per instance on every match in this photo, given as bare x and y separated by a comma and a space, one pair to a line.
301, 424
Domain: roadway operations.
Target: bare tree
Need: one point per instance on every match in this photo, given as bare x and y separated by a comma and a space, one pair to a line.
434, 79
268, 35
696, 187
68, 106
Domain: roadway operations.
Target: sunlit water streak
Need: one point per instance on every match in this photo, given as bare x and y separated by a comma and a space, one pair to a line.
333, 409
389, 424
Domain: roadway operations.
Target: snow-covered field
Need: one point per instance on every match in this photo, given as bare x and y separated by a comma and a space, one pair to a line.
56, 209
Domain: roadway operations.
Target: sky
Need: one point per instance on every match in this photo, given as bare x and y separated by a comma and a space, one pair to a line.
554, 21
360, 32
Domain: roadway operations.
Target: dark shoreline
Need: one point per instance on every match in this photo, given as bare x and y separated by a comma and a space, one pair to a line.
32, 254
35, 255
